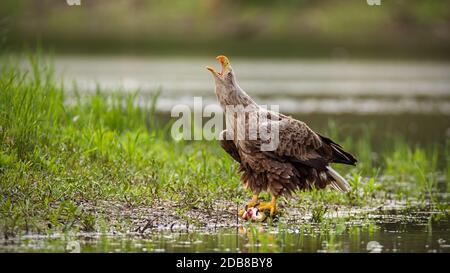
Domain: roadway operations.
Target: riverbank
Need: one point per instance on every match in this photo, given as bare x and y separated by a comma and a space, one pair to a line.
105, 164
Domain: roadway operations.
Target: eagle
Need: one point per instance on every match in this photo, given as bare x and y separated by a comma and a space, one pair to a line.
300, 160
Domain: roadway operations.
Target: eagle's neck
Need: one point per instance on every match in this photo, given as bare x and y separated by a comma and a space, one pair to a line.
233, 96
235, 103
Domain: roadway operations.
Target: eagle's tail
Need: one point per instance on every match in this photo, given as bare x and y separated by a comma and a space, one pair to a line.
338, 182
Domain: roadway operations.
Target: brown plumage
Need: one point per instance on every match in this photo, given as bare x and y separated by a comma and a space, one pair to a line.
300, 161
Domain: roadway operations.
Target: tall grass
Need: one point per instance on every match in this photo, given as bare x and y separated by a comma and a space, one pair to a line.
32, 107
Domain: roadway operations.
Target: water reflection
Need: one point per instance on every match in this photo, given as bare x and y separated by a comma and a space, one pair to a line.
251, 238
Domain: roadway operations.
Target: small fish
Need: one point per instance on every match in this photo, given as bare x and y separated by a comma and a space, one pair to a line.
254, 214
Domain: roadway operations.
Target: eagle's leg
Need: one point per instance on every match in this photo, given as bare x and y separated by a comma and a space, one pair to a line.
253, 202
271, 206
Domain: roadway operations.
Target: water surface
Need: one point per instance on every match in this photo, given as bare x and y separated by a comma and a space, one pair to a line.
418, 232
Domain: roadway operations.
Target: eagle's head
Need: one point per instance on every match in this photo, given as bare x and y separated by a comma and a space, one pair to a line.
226, 76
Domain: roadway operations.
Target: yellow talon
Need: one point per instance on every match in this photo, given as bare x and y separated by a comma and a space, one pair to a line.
271, 206
241, 212
252, 202
261, 206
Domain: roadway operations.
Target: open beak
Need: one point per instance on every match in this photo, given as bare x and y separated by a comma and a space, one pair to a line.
212, 70
224, 62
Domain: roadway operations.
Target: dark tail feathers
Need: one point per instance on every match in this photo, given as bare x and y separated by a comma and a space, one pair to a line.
340, 156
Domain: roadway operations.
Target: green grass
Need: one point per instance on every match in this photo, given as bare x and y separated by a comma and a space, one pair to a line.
58, 158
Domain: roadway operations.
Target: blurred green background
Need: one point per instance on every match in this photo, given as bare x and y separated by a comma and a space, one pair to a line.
413, 29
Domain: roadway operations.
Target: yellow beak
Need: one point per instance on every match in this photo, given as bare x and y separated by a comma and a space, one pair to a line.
224, 62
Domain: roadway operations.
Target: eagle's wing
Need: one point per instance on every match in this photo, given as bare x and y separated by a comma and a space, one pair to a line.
227, 144
297, 142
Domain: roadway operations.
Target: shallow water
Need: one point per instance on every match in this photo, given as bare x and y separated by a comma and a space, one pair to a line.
388, 233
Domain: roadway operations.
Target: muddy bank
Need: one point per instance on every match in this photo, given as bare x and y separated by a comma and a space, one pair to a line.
224, 214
